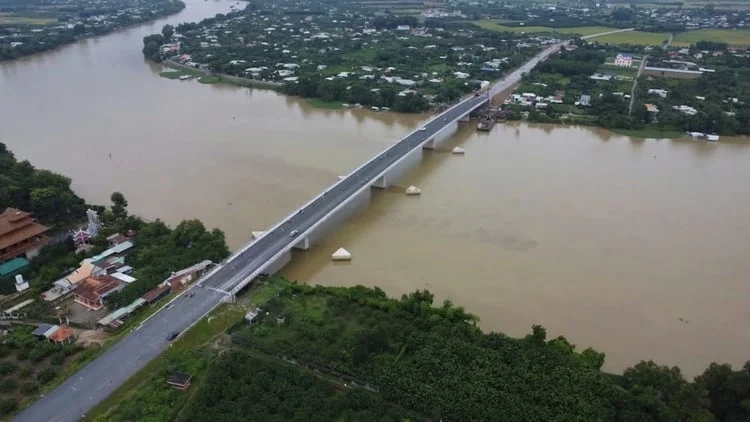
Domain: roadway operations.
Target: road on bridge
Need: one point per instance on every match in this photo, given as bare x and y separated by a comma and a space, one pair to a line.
92, 384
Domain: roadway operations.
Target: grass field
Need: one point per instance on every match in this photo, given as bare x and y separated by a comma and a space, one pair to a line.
9, 19
651, 133
634, 38
176, 74
729, 36
582, 30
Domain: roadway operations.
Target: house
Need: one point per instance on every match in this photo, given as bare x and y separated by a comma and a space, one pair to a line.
179, 381
62, 335
20, 235
660, 92
116, 239
584, 100
92, 291
624, 60
116, 318
157, 293
651, 108
180, 278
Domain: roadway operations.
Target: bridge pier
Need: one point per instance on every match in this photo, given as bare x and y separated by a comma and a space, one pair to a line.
381, 182
303, 244
464, 119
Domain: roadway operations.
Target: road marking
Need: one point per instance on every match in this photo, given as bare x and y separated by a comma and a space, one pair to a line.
218, 290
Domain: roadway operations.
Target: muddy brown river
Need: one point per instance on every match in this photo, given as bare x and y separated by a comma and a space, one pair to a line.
637, 248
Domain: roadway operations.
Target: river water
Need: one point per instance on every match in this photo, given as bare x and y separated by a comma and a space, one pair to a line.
637, 248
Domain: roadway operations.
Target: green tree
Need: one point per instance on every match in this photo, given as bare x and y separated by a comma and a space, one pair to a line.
119, 205
167, 31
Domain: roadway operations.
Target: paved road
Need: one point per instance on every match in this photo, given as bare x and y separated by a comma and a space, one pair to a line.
92, 384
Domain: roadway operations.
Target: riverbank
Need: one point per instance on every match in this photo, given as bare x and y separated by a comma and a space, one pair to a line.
360, 342
43, 37
208, 77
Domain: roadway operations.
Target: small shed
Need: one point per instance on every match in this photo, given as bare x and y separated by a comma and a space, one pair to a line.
179, 381
44, 330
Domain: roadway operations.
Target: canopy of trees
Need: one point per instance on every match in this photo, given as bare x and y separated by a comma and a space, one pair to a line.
436, 361
45, 194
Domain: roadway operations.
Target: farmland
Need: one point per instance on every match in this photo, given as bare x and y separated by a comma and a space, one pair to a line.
731, 37
581, 30
634, 38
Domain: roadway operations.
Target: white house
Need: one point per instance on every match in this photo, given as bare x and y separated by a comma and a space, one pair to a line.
624, 60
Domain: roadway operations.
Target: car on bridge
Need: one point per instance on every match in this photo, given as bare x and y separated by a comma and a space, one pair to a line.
173, 335
293, 233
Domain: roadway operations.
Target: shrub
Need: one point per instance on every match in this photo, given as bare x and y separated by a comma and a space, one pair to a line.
25, 371
7, 406
7, 385
22, 354
29, 388
46, 375
7, 368
58, 358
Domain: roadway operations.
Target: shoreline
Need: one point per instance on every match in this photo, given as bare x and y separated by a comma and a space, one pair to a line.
220, 77
93, 36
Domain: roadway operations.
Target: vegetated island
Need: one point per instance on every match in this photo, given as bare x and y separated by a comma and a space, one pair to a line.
32, 362
331, 353
32, 26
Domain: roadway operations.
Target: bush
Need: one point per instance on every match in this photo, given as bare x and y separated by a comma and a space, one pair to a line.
22, 354
7, 385
58, 358
7, 368
4, 351
7, 406
29, 388
25, 371
46, 376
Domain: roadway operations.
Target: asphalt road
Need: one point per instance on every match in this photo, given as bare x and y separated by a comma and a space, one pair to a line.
92, 384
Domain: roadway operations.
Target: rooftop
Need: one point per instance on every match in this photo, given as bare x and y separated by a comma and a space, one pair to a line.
12, 266
179, 378
16, 225
92, 288
62, 334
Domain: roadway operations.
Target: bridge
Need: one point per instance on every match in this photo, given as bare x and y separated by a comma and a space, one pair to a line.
96, 381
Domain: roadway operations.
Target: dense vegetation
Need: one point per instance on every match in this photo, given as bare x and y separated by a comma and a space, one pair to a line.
436, 361
159, 249
721, 98
368, 61
240, 386
45, 194
32, 26
27, 364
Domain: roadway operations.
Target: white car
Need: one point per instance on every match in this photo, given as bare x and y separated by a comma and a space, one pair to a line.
423, 128
293, 233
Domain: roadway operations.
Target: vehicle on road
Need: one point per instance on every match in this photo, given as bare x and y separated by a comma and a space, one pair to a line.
173, 335
293, 233
423, 128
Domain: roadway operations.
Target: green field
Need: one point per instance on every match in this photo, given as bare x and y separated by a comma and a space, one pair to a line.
634, 38
582, 30
729, 36
10, 19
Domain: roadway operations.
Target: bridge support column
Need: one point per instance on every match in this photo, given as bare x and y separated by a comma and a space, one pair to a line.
464, 119
429, 144
381, 182
303, 244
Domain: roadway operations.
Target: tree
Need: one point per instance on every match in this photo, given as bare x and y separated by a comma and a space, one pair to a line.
119, 205
167, 31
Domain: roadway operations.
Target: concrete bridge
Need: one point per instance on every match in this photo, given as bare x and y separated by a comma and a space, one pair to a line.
305, 226
96, 381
